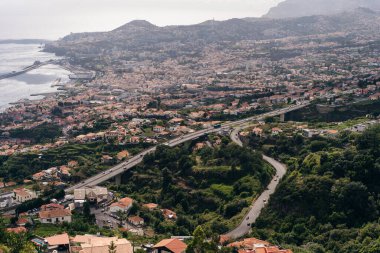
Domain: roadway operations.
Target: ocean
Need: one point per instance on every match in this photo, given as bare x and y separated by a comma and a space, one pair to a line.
14, 57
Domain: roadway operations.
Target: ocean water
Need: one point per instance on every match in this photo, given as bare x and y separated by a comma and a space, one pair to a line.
14, 57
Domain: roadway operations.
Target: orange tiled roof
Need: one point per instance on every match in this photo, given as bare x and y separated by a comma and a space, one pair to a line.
126, 201
17, 230
248, 243
174, 245
62, 239
150, 205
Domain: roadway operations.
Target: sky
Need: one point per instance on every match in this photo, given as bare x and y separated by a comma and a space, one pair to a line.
53, 19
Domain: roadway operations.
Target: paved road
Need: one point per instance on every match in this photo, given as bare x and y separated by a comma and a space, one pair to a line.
245, 226
122, 167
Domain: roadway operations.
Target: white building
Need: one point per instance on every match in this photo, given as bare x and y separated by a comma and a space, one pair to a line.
21, 195
55, 216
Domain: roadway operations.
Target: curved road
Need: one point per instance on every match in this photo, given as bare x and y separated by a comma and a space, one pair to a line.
245, 226
124, 166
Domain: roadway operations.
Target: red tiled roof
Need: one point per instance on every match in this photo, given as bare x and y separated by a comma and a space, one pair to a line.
54, 213
51, 207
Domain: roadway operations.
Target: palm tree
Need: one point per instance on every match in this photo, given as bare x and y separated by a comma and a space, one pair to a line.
122, 216
112, 248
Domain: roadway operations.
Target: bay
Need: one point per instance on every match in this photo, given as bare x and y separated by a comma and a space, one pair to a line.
14, 57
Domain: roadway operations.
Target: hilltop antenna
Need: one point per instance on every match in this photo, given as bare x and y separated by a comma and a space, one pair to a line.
213, 24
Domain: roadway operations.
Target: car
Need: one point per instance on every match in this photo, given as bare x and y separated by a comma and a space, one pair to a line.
249, 224
109, 221
247, 218
275, 179
264, 200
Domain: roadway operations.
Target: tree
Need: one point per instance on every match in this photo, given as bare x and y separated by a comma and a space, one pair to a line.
18, 243
4, 249
28, 248
112, 248
371, 247
199, 243
166, 180
86, 210
122, 216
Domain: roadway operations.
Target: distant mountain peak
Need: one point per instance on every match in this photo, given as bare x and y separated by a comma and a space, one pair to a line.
137, 24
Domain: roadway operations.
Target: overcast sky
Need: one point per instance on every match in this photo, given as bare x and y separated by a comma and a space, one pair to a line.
52, 19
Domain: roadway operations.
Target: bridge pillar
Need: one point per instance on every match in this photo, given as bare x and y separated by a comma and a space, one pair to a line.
118, 179
282, 117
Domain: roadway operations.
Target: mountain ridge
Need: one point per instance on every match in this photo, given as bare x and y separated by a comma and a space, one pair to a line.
142, 36
300, 8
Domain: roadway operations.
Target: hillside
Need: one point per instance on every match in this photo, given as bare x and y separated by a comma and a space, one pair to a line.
300, 8
142, 40
329, 200
212, 186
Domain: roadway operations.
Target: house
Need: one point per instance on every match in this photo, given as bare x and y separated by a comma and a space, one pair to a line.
123, 205
21, 195
94, 194
199, 146
122, 155
106, 159
264, 249
257, 131
52, 206
136, 220
331, 133
158, 129
72, 164
97, 244
375, 96
38, 176
22, 221
247, 243
358, 128
55, 216
64, 172
6, 199
169, 214
150, 206
170, 246
310, 133
134, 140
58, 242
17, 230
79, 197
254, 245
276, 131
